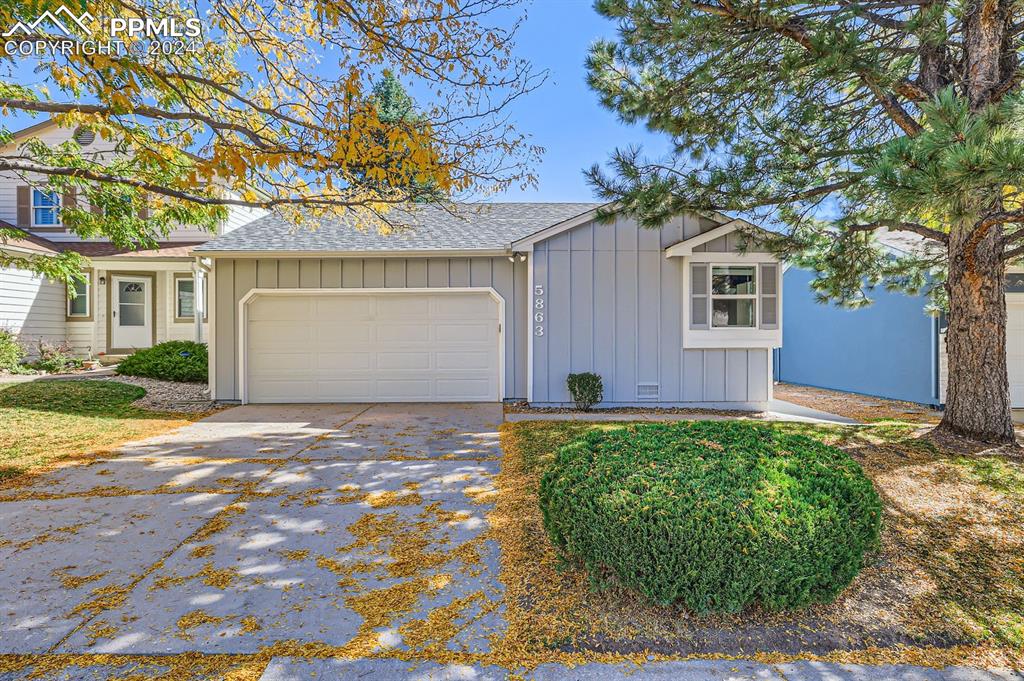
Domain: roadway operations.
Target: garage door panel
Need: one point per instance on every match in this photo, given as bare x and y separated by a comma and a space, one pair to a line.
403, 333
464, 306
346, 347
401, 307
463, 360
404, 389
330, 333
342, 390
268, 390
343, 307
463, 388
403, 360
343, 361
471, 332
281, 310
282, 334
281, 361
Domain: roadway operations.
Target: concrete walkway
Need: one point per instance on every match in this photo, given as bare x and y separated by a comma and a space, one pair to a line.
779, 410
291, 669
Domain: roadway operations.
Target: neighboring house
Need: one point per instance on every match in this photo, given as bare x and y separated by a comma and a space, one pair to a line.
130, 299
891, 348
490, 302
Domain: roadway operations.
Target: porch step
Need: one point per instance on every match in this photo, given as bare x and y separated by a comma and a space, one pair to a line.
110, 360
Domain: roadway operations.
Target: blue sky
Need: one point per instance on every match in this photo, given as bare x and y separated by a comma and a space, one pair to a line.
565, 116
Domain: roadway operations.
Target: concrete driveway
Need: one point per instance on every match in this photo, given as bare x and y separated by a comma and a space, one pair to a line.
337, 524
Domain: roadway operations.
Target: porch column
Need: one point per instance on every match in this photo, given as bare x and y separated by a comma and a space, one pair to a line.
199, 299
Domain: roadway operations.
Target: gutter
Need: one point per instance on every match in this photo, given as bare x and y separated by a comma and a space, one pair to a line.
437, 253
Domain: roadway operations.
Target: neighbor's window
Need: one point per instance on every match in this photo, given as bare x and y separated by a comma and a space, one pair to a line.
733, 296
79, 305
45, 208
185, 295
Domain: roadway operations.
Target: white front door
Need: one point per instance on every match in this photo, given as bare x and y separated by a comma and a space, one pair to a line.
131, 312
1015, 350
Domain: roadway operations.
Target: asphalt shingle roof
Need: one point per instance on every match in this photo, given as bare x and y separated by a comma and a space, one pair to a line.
466, 227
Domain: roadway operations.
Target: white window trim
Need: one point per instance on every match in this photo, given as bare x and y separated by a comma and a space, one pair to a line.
177, 299
88, 300
33, 206
712, 297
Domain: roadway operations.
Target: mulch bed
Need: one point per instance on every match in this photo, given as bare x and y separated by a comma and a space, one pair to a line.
526, 408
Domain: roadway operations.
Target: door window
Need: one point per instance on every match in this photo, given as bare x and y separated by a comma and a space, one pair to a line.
131, 303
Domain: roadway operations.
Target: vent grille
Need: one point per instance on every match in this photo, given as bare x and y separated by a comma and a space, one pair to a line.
84, 137
647, 392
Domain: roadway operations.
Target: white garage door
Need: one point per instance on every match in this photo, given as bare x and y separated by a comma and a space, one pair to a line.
436, 346
1015, 351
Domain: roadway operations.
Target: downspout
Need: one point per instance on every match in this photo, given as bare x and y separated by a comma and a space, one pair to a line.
199, 271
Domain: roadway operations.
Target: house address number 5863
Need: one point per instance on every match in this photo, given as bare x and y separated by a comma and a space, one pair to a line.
538, 310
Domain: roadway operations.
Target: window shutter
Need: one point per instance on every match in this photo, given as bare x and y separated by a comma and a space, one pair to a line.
769, 287
698, 296
70, 198
144, 211
24, 206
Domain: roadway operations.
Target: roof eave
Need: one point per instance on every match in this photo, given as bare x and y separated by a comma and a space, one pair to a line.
423, 253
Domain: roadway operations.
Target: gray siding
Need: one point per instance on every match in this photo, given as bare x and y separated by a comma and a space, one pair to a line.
236, 277
613, 305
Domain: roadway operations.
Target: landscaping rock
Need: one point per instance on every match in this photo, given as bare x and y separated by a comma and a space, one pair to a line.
191, 398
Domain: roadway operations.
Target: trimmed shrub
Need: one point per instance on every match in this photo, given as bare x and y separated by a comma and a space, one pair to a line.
586, 390
182, 361
717, 515
55, 358
11, 352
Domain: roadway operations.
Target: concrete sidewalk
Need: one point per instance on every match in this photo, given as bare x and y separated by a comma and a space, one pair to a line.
296, 669
779, 410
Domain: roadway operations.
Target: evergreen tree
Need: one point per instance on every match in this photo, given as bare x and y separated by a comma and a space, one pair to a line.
398, 117
840, 120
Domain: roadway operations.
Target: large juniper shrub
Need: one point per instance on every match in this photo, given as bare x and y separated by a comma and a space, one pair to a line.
715, 515
183, 361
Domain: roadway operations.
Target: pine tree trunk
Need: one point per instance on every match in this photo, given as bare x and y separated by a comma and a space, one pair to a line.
977, 393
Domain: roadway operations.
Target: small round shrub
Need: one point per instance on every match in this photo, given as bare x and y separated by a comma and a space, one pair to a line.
715, 515
183, 361
586, 389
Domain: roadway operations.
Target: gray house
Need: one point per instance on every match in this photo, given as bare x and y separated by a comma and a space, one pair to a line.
490, 302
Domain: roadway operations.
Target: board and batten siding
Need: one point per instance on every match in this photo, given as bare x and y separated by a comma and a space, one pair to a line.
32, 307
613, 304
234, 277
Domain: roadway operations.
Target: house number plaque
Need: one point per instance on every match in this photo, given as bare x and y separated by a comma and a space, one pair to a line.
538, 310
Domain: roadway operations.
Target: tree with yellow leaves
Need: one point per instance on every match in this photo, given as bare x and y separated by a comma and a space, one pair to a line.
264, 104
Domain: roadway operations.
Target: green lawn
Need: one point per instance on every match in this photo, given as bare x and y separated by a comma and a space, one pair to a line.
949, 575
57, 422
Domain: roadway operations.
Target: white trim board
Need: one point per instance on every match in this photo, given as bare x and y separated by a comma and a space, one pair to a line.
436, 253
243, 319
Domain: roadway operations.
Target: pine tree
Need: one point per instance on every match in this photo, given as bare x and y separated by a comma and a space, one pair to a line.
839, 120
396, 112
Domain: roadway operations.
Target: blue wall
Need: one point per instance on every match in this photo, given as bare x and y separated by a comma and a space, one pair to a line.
884, 349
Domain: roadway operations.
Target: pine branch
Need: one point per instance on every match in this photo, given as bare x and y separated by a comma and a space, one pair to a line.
900, 226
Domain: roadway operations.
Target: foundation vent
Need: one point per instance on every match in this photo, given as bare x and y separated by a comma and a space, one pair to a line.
647, 392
